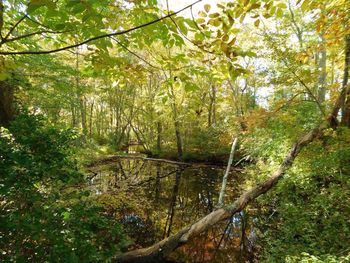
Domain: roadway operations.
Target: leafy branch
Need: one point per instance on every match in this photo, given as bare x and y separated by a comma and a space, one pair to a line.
30, 52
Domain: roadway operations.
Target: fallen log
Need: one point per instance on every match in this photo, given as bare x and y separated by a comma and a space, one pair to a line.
162, 249
112, 158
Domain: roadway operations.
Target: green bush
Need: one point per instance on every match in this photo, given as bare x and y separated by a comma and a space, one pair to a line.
44, 217
309, 209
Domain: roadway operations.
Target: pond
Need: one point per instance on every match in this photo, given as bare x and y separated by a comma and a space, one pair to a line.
154, 199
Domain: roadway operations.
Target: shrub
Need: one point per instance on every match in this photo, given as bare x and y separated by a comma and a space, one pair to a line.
43, 214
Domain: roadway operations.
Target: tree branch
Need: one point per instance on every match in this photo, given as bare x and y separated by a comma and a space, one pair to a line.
6, 40
28, 52
13, 28
191, 41
133, 53
306, 87
299, 33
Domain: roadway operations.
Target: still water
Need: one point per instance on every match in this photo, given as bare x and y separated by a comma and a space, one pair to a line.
155, 199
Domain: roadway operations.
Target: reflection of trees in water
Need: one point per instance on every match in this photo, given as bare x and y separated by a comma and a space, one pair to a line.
162, 198
171, 211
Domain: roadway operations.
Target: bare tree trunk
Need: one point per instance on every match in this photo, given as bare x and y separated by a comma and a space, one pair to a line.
178, 138
322, 71
91, 115
83, 114
159, 138
74, 116
345, 120
224, 179
212, 106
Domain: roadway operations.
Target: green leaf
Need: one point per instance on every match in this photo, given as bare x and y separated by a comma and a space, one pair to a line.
305, 5
279, 12
214, 22
182, 27
250, 54
191, 87
165, 99
79, 8
4, 76
66, 215
200, 21
35, 4
214, 15
60, 26
199, 37
190, 23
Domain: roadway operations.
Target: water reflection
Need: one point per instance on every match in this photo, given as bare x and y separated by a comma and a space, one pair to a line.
157, 199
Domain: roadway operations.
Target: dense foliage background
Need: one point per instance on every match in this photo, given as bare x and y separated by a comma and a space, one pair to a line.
80, 80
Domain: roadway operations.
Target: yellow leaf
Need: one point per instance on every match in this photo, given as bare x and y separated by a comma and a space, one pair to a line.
202, 14
207, 7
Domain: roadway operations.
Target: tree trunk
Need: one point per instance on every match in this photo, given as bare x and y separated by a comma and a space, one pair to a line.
6, 103
83, 114
212, 106
322, 71
159, 138
345, 120
178, 139
224, 179
91, 115
176, 122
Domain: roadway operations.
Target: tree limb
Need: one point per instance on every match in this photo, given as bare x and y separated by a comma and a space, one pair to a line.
134, 53
14, 27
28, 52
6, 40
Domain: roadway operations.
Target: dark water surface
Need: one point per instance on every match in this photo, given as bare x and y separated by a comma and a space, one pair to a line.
155, 199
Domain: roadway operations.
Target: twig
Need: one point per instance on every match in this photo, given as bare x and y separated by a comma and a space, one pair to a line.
133, 53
